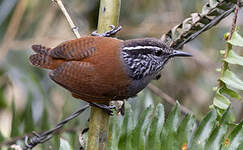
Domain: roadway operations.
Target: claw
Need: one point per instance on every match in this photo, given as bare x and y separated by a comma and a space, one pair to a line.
112, 27
108, 109
109, 33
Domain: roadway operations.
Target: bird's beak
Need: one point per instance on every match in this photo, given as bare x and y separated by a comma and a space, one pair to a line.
180, 53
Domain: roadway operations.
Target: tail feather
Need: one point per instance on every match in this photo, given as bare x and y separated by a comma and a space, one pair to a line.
40, 49
42, 58
36, 59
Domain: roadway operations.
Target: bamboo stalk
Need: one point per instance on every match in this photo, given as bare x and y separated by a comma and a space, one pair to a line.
99, 120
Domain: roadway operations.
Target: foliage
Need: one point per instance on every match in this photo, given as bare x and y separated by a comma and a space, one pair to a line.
188, 30
64, 145
228, 79
153, 132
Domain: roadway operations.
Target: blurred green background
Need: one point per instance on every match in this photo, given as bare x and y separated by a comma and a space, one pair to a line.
40, 103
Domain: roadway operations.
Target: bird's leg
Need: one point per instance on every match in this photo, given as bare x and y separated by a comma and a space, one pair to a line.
104, 107
109, 33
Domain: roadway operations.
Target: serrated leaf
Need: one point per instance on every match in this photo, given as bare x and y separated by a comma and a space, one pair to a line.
139, 133
203, 131
236, 39
237, 139
169, 131
234, 140
153, 141
221, 101
232, 80
230, 92
125, 141
234, 58
185, 131
15, 122
214, 142
64, 145
217, 136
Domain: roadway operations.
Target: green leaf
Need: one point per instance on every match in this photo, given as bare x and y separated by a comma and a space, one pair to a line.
169, 131
64, 145
236, 39
68, 139
236, 137
185, 131
234, 58
221, 101
27, 116
232, 80
45, 125
210, 135
3, 103
240, 147
204, 130
15, 122
113, 133
217, 136
230, 92
1, 137
153, 141
139, 133
125, 141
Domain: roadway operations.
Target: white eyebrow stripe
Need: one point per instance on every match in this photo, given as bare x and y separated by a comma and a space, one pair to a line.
142, 47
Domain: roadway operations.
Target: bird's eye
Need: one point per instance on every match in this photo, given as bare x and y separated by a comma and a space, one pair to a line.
158, 53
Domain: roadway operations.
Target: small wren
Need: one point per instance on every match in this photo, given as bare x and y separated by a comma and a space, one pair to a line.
99, 69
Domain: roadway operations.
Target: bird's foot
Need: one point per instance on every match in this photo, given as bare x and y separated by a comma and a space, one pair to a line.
122, 109
109, 33
107, 108
120, 106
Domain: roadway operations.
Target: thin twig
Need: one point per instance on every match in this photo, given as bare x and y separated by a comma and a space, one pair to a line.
167, 98
47, 135
72, 25
237, 7
15, 139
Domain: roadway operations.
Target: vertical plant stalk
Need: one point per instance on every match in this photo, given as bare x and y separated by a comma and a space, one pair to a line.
225, 64
99, 120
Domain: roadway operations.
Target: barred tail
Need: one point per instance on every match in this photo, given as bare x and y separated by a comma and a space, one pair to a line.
42, 58
39, 49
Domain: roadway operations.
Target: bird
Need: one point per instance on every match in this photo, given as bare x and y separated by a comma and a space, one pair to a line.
100, 68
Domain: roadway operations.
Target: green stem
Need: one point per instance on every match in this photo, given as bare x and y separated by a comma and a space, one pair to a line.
99, 120
225, 64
